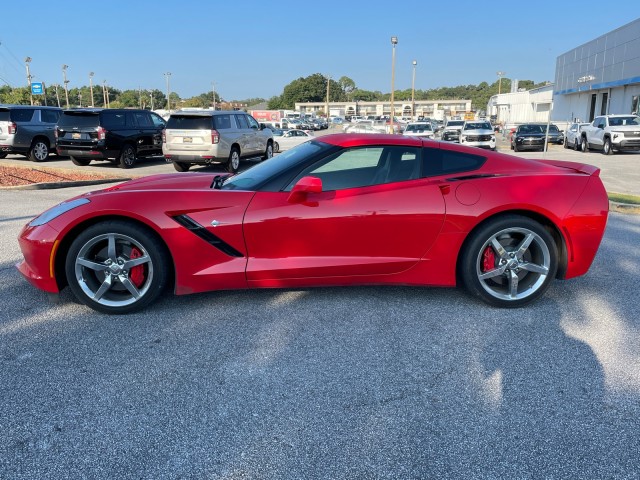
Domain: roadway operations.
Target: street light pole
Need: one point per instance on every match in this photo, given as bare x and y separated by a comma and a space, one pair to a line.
166, 76
57, 95
91, 87
327, 106
500, 74
413, 91
27, 61
213, 92
66, 83
394, 42
104, 93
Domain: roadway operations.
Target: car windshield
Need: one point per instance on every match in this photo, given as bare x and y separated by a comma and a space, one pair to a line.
455, 123
619, 121
417, 127
478, 126
252, 178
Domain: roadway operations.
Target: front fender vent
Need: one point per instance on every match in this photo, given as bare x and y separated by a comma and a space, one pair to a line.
193, 226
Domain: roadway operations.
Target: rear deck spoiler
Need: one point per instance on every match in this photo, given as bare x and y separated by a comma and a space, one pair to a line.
578, 167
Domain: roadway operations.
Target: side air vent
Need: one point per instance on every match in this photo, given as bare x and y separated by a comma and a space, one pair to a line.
193, 226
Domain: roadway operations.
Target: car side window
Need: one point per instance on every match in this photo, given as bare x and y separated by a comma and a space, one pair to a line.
22, 114
112, 120
222, 122
241, 120
49, 116
157, 120
252, 122
443, 162
364, 166
143, 119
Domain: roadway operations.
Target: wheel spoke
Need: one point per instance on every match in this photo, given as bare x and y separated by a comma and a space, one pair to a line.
129, 264
524, 245
111, 249
106, 285
98, 267
492, 273
532, 267
130, 286
497, 246
513, 284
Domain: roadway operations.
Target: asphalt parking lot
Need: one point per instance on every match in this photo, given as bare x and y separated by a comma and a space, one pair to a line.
329, 383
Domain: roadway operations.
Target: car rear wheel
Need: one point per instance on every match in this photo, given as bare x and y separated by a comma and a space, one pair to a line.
181, 166
81, 162
607, 149
233, 163
117, 267
268, 153
127, 158
509, 262
39, 151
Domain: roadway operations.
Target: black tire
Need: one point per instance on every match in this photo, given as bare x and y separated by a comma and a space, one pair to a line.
100, 267
565, 144
39, 151
276, 147
233, 163
576, 146
607, 148
3, 155
584, 146
127, 157
81, 162
268, 153
509, 261
181, 166
515, 148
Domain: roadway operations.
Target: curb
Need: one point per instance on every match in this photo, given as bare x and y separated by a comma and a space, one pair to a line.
54, 185
624, 207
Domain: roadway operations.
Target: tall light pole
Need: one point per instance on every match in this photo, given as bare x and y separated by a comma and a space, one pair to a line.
151, 97
327, 106
166, 76
104, 93
66, 83
57, 95
413, 91
27, 61
500, 75
394, 42
213, 93
91, 74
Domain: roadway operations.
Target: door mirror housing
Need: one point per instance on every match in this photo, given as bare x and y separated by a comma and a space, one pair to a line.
303, 187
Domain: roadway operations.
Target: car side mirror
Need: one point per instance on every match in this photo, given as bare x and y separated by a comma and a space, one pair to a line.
303, 187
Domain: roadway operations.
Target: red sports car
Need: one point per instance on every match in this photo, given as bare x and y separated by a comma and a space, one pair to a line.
338, 210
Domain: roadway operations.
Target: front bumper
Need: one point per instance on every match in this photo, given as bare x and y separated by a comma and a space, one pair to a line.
39, 246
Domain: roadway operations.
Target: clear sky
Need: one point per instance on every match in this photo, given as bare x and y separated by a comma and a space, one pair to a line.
252, 48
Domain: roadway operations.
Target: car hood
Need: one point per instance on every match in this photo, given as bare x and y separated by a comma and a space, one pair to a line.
175, 181
625, 128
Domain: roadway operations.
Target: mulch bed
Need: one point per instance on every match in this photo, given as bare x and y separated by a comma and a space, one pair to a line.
18, 176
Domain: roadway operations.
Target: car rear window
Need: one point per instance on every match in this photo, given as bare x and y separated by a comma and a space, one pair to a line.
189, 122
442, 162
4, 116
79, 119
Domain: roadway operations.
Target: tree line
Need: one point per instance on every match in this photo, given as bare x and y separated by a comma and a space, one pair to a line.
312, 88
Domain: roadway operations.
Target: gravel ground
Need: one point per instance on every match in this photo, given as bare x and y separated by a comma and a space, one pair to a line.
380, 383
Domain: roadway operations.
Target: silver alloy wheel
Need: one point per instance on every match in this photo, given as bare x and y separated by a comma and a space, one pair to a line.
521, 264
269, 151
40, 151
103, 270
235, 160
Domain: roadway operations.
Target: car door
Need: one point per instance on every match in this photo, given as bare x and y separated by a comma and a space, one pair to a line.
374, 216
243, 136
597, 139
258, 141
158, 126
49, 120
146, 133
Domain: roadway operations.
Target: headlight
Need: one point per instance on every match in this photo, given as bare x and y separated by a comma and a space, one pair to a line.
56, 211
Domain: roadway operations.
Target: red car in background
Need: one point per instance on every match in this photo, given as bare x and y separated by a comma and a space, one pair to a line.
341, 209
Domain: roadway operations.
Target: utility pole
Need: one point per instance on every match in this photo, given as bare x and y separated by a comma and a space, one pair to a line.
327, 107
166, 76
27, 61
66, 83
394, 42
104, 93
413, 90
91, 87
213, 92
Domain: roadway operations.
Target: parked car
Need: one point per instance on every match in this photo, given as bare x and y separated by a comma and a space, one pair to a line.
476, 133
451, 131
28, 130
419, 129
290, 139
611, 133
119, 135
440, 215
205, 137
573, 136
365, 127
528, 136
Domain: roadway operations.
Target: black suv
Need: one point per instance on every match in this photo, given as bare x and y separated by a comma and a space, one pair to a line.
109, 134
28, 130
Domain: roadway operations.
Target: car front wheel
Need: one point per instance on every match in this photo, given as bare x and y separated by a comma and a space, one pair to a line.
584, 146
509, 262
117, 267
39, 151
607, 149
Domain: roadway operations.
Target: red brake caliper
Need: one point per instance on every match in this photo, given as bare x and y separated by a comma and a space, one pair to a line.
136, 274
488, 259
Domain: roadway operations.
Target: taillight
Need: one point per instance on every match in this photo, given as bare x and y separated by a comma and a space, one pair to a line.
102, 133
164, 136
215, 136
13, 128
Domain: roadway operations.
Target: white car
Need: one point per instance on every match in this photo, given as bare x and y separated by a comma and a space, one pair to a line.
478, 133
290, 139
419, 129
365, 127
573, 138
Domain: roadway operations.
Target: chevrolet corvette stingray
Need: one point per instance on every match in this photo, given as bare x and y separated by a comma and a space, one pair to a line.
344, 209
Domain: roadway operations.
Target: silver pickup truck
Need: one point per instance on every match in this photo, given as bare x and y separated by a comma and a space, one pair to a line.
611, 133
